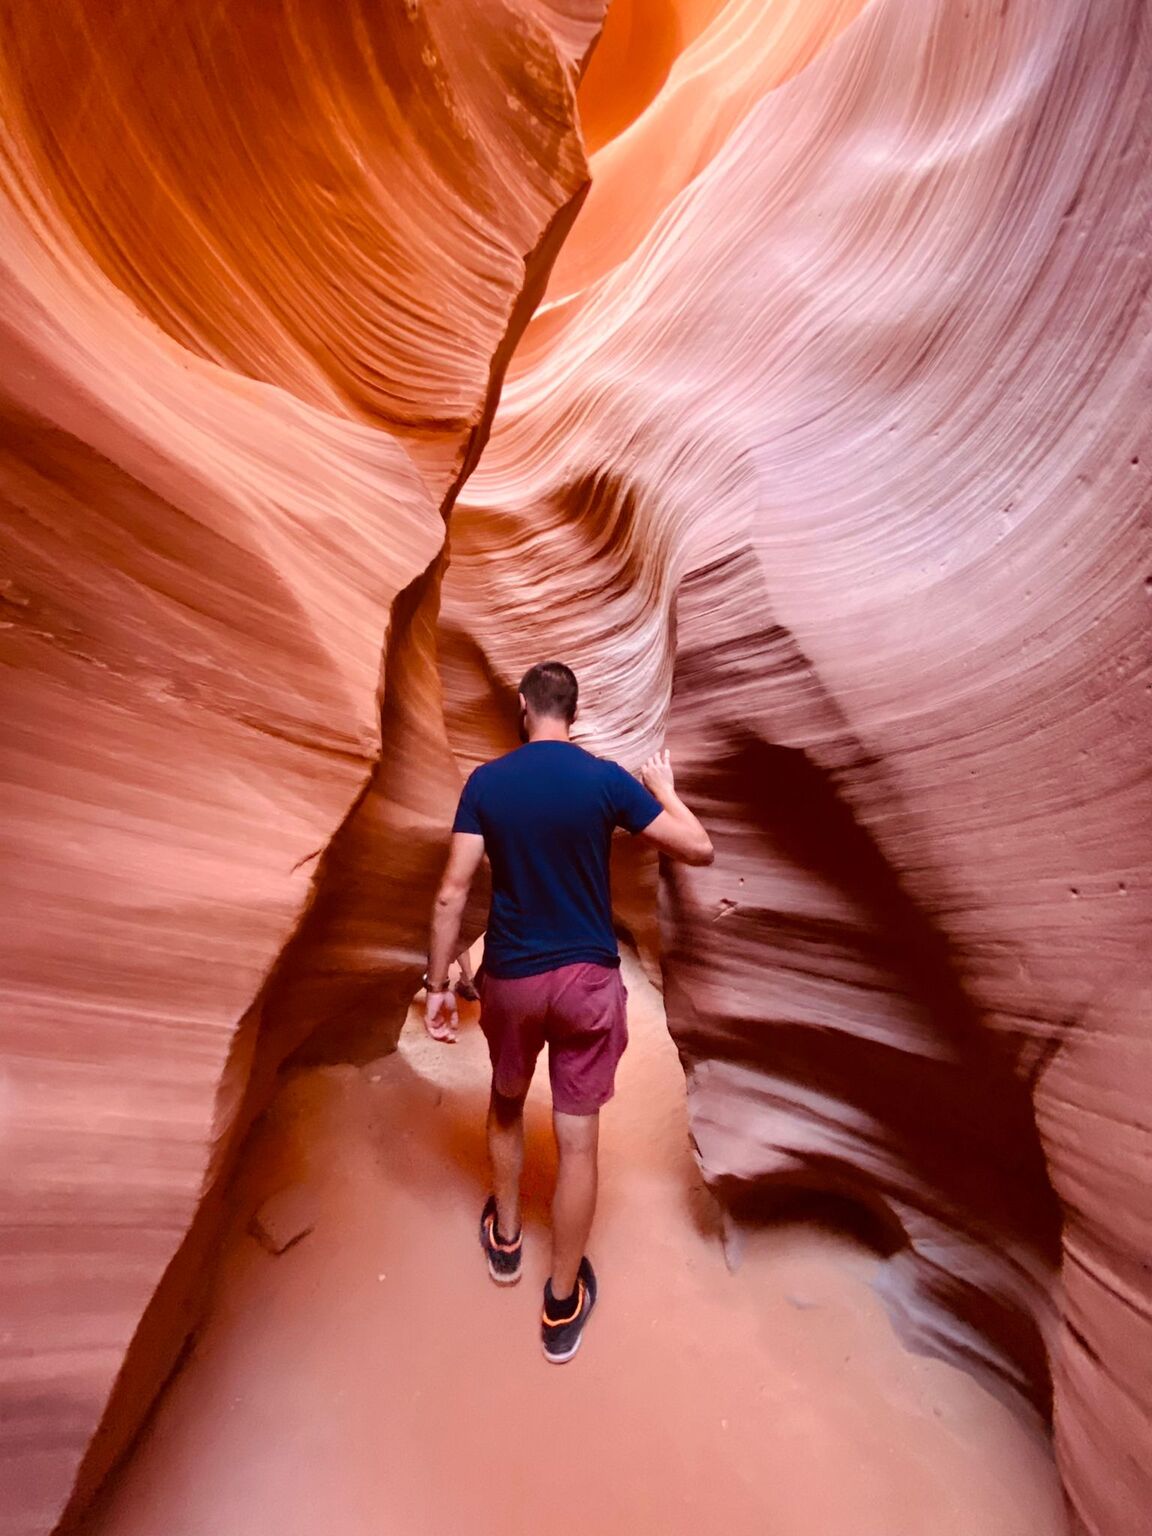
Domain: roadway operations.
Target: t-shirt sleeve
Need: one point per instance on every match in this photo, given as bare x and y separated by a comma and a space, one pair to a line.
468, 810
634, 807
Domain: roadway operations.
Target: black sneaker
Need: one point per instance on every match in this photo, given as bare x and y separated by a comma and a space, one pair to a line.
503, 1258
561, 1336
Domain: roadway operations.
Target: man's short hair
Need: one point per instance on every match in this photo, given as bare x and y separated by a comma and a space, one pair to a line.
550, 688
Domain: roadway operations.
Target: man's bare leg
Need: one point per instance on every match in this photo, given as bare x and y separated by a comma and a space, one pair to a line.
506, 1155
574, 1203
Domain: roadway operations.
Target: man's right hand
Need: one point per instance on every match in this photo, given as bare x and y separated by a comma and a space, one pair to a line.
656, 776
675, 831
440, 1016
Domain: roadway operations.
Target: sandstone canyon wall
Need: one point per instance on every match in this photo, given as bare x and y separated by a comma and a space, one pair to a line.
837, 479
262, 270
825, 458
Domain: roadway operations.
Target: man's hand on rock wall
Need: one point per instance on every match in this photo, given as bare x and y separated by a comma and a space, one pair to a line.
656, 776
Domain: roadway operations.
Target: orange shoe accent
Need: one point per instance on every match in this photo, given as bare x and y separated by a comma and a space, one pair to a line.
562, 1322
490, 1222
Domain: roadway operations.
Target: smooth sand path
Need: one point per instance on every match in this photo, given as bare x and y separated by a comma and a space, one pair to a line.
371, 1380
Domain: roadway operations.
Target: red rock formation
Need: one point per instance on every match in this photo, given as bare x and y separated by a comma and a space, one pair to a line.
825, 459
236, 243
717, 61
837, 478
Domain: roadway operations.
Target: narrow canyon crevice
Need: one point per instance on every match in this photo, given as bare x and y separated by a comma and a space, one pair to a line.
784, 368
341, 985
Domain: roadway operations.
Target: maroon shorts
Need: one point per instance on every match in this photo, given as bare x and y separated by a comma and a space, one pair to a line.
579, 1010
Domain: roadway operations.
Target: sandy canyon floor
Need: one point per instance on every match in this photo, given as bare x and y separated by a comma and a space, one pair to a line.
372, 1380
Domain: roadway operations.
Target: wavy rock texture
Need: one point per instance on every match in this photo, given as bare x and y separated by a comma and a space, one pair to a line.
825, 457
698, 67
263, 267
836, 474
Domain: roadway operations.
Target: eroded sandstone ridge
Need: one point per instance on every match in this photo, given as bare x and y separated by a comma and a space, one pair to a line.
837, 475
825, 457
263, 266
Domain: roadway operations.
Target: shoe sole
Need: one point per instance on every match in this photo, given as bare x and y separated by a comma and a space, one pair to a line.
564, 1358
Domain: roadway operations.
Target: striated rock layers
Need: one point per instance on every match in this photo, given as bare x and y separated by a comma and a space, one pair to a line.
825, 458
263, 266
836, 476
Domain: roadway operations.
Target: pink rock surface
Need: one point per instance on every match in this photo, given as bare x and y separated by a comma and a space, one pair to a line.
838, 482
286, 1218
262, 269
825, 460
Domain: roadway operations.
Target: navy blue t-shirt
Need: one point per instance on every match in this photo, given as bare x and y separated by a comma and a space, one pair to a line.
546, 813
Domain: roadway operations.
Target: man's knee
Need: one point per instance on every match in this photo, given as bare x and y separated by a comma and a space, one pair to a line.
507, 1108
576, 1135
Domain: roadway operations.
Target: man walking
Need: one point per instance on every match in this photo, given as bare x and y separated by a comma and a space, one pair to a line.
545, 815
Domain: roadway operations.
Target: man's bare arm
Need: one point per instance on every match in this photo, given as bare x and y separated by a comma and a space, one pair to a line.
676, 831
464, 855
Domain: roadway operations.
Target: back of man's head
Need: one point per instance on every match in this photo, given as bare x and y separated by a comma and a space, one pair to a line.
550, 690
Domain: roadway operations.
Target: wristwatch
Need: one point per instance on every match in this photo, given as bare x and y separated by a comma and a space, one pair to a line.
430, 986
